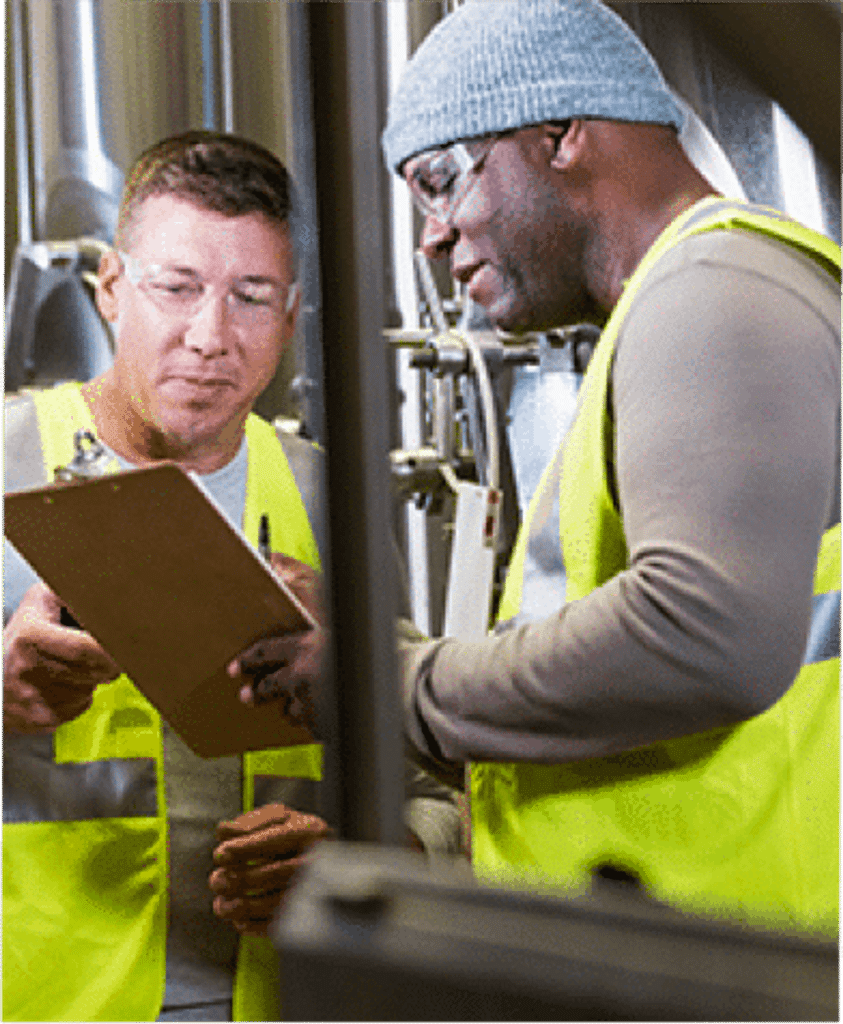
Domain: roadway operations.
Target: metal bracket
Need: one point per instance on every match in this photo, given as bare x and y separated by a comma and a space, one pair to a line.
89, 461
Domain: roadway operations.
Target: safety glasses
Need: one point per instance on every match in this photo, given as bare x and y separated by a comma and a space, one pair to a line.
181, 293
440, 179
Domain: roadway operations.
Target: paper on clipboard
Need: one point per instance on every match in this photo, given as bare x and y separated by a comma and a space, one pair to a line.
157, 574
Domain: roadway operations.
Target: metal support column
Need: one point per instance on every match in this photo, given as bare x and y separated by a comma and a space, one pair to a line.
364, 747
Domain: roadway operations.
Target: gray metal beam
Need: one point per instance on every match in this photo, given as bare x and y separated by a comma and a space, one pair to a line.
364, 747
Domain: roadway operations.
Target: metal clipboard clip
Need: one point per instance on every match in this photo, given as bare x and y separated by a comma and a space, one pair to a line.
90, 460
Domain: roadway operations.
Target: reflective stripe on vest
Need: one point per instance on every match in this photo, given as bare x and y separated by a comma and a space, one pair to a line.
36, 788
738, 822
101, 801
824, 633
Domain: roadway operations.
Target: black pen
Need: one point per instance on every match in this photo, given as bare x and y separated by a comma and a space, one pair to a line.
263, 537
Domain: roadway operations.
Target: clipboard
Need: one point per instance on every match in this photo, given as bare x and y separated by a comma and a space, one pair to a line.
157, 574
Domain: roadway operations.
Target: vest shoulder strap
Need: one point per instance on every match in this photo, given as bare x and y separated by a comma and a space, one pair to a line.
307, 462
271, 489
61, 412
729, 214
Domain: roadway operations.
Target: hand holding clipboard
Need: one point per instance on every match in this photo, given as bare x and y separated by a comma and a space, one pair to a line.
287, 667
172, 615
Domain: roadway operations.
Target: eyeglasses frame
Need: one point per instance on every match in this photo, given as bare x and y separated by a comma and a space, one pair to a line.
469, 164
136, 271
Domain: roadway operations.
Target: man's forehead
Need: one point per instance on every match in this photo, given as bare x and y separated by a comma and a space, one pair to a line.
167, 225
190, 209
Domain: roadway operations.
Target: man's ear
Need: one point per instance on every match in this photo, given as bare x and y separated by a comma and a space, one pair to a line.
109, 273
564, 145
291, 313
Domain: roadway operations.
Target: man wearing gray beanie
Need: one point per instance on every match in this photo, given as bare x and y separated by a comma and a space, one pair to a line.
659, 699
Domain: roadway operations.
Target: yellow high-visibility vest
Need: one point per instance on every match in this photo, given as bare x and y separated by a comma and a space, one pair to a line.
85, 899
738, 822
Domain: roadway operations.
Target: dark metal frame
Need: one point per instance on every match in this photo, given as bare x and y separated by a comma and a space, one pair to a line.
347, 44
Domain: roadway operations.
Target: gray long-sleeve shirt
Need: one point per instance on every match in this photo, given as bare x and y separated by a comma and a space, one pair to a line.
725, 395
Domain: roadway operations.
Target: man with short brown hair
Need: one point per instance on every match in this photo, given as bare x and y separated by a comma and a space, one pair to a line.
111, 824
110, 828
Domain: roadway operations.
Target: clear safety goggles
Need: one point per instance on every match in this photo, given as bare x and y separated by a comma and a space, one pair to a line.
180, 293
440, 179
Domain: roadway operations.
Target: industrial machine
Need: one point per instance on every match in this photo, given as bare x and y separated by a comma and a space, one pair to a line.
491, 430
372, 934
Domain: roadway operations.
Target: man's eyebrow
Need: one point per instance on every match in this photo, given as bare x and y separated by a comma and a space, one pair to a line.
260, 279
175, 268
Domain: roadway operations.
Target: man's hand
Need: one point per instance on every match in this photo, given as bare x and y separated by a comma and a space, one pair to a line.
287, 667
257, 856
50, 671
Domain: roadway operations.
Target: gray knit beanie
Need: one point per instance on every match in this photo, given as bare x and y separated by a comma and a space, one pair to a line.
499, 64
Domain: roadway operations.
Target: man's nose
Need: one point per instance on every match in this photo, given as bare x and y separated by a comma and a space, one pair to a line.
437, 237
208, 330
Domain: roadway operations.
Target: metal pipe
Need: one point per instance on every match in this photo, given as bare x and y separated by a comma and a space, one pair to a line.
21, 125
88, 74
310, 365
226, 66
487, 403
431, 292
444, 405
410, 382
209, 85
76, 184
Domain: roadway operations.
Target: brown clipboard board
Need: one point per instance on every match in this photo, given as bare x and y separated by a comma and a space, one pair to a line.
156, 573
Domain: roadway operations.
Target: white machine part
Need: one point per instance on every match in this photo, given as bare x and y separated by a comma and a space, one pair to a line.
472, 561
